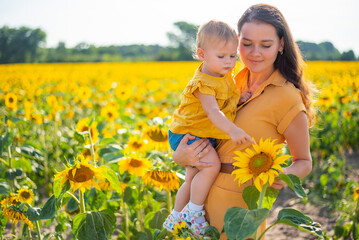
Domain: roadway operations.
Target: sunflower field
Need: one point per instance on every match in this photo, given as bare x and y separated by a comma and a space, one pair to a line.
84, 148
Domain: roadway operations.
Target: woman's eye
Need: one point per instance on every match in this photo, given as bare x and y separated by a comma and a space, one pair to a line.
233, 56
246, 44
267, 46
220, 56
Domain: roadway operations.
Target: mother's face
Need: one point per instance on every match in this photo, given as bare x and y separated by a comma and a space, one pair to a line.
259, 45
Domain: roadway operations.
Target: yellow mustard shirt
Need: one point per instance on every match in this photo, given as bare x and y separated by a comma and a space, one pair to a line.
266, 114
190, 117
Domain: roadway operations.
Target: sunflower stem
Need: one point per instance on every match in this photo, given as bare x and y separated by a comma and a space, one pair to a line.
38, 230
82, 202
92, 150
356, 212
74, 197
139, 210
125, 213
169, 201
11, 182
28, 233
260, 203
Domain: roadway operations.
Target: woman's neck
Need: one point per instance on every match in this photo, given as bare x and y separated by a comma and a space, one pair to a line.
256, 79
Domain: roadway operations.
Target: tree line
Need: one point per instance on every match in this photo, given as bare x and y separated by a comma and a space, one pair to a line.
26, 45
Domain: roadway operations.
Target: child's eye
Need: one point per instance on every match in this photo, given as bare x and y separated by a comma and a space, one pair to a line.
246, 44
220, 56
267, 46
233, 56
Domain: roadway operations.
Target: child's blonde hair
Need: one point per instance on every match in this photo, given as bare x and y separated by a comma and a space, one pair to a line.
215, 29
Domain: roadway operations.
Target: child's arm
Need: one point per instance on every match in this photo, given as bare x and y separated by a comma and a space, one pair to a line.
219, 120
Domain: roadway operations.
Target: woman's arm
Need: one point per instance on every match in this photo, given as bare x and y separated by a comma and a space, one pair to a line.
297, 137
190, 155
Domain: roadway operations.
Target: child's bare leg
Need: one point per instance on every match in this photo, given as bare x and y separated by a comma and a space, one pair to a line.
183, 193
204, 179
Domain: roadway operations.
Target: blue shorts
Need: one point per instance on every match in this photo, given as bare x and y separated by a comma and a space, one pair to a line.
175, 139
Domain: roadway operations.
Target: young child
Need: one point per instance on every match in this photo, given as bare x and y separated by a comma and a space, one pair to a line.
207, 110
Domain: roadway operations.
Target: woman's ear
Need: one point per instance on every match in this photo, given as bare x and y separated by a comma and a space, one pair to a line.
200, 54
281, 45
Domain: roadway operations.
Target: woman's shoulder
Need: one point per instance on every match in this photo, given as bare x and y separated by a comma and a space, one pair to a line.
284, 94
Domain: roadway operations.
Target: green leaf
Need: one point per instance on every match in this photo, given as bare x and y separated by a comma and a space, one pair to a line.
240, 223
30, 151
112, 178
324, 180
300, 221
270, 197
159, 235
79, 137
94, 225
158, 219
212, 232
13, 173
72, 205
60, 189
49, 210
251, 196
294, 183
22, 163
5, 141
95, 199
33, 214
4, 188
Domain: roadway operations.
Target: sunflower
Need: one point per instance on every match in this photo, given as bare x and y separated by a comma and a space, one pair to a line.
86, 152
52, 101
15, 214
83, 126
106, 185
262, 163
179, 228
157, 136
123, 92
136, 144
162, 180
84, 93
356, 193
25, 195
12, 200
81, 175
134, 165
110, 113
11, 101
12, 212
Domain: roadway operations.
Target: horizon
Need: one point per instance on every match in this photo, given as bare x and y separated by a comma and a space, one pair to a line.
118, 22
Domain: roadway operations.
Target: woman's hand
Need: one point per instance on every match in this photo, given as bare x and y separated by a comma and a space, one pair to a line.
190, 155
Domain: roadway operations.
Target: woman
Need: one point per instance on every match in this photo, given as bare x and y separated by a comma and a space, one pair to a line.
279, 107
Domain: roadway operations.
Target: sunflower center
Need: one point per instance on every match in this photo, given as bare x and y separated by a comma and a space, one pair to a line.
158, 135
135, 163
82, 174
84, 128
25, 195
11, 100
157, 176
136, 145
260, 163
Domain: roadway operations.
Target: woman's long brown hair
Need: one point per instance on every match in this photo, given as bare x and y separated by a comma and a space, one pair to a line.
290, 63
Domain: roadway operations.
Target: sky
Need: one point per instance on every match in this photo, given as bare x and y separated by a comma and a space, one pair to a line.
122, 22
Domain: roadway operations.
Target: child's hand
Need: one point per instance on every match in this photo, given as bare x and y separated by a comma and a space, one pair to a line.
238, 136
245, 96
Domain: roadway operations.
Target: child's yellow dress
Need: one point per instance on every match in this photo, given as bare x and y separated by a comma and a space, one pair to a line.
190, 117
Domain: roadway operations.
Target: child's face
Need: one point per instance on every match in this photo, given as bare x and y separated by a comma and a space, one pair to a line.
219, 57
